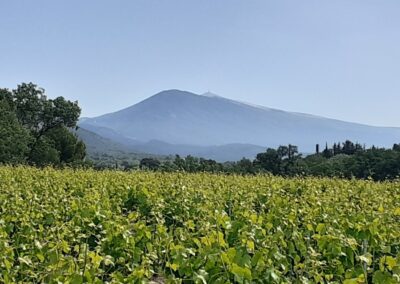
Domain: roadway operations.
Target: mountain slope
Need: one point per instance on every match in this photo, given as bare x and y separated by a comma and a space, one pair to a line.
105, 152
98, 145
179, 117
222, 153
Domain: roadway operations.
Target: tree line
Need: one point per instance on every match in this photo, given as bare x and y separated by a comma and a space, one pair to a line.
344, 160
35, 130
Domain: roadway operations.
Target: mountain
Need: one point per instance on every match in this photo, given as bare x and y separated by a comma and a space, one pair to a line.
182, 118
222, 153
106, 152
98, 145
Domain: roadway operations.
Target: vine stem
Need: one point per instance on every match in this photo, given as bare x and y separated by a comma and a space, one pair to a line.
84, 263
365, 250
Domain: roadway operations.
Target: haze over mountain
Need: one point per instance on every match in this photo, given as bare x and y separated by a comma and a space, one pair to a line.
175, 117
113, 144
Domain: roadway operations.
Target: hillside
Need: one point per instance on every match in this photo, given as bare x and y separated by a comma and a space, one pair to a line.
105, 152
98, 145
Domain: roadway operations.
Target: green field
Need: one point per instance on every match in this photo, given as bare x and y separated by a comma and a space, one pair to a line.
80, 226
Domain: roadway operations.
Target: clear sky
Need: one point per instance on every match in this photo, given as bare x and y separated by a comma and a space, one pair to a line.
339, 59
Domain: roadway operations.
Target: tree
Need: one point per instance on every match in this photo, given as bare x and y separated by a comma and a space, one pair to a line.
336, 149
149, 164
245, 166
68, 146
7, 99
270, 160
317, 149
282, 151
47, 121
44, 153
349, 148
292, 151
327, 153
14, 139
191, 164
179, 163
209, 165
40, 114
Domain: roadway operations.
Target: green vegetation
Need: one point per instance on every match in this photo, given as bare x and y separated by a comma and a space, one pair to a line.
346, 160
36, 130
75, 226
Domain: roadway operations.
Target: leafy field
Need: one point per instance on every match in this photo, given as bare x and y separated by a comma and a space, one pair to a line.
86, 226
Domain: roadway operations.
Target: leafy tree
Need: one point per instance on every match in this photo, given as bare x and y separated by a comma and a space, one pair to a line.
149, 164
270, 160
292, 152
168, 166
327, 153
7, 99
282, 151
348, 148
44, 153
179, 163
36, 129
209, 165
14, 139
40, 115
191, 164
337, 149
245, 166
68, 146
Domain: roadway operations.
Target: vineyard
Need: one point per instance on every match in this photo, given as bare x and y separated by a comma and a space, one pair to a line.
83, 226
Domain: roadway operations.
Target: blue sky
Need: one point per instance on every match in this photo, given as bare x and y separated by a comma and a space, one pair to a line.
339, 59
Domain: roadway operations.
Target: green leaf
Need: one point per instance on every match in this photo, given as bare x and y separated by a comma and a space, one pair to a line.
320, 228
382, 277
40, 257
76, 279
173, 266
367, 258
241, 272
250, 245
391, 262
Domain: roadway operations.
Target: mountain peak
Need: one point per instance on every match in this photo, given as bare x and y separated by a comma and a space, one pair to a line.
177, 92
210, 95
172, 95
173, 92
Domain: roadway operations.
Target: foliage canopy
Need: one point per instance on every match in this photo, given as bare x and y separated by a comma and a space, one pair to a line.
34, 129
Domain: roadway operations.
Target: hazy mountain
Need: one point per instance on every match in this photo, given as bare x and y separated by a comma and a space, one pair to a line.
108, 151
227, 152
179, 117
109, 134
97, 144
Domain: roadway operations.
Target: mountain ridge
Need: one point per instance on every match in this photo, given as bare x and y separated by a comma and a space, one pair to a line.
183, 118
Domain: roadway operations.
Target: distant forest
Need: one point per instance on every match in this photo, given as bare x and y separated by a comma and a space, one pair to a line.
38, 131
344, 160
